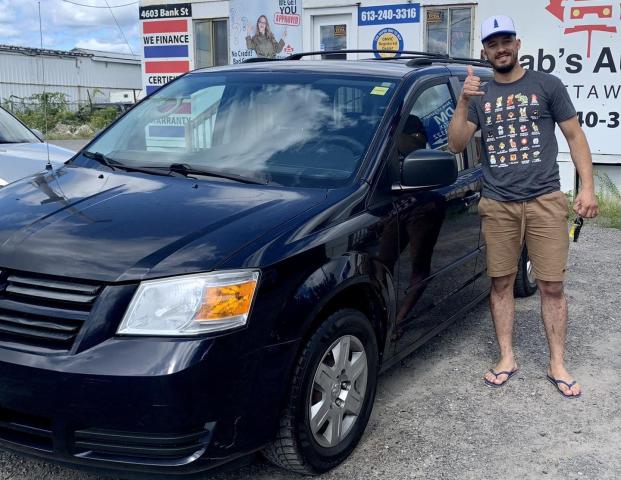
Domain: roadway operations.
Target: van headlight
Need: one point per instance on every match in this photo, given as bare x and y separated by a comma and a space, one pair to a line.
191, 304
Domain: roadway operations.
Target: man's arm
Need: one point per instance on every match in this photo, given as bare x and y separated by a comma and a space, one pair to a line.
585, 203
461, 129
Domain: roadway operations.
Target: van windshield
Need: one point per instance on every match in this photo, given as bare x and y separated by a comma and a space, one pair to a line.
290, 129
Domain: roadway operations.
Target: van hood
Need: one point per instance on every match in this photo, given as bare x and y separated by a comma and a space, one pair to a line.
119, 226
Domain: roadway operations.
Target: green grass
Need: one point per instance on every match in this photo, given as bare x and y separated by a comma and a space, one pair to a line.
608, 200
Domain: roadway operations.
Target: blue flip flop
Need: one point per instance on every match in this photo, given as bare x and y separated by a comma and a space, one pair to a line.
496, 385
556, 383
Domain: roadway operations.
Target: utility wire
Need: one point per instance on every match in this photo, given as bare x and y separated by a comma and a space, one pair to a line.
120, 29
109, 7
100, 6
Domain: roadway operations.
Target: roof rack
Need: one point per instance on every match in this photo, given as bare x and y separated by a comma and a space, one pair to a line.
415, 58
415, 62
298, 56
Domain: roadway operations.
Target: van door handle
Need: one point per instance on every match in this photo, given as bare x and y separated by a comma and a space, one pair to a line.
472, 198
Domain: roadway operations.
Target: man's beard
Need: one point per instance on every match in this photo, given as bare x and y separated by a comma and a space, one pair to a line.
506, 68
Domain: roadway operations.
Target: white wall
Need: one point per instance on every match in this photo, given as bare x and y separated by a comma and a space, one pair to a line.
22, 75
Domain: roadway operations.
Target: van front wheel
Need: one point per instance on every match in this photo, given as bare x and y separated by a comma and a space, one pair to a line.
331, 396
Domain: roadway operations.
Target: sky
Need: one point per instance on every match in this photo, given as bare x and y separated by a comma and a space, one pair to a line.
66, 25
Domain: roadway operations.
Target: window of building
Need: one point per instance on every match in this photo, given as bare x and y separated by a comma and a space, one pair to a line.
333, 37
349, 100
449, 30
211, 43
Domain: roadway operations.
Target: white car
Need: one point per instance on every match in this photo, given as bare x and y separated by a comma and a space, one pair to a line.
22, 152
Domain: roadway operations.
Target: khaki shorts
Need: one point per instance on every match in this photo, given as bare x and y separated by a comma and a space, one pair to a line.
540, 222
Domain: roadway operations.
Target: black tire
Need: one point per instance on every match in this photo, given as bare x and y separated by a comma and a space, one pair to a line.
525, 284
296, 447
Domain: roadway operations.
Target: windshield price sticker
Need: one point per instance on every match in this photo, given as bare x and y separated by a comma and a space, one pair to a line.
379, 91
389, 14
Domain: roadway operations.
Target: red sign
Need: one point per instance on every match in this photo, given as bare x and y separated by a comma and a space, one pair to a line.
167, 66
287, 19
585, 16
165, 26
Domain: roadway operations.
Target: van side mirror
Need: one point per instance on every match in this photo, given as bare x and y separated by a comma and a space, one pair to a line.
428, 169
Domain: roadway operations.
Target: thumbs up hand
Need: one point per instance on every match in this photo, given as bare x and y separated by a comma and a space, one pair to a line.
472, 85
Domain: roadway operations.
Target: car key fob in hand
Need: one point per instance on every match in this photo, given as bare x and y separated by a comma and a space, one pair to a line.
574, 231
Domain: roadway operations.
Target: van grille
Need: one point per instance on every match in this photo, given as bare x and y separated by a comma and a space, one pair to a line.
26, 430
43, 312
164, 449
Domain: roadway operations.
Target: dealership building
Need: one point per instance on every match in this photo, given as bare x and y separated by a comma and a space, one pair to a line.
578, 41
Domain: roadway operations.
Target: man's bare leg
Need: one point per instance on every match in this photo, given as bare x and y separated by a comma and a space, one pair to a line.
554, 313
502, 306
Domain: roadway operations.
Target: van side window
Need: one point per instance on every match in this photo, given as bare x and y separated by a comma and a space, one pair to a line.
428, 121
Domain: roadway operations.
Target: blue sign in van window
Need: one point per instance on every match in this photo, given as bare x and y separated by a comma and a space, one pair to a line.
389, 14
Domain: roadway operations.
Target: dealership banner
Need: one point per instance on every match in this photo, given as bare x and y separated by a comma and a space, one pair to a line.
264, 28
166, 43
580, 42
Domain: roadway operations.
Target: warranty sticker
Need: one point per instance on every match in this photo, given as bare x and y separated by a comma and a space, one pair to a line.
379, 91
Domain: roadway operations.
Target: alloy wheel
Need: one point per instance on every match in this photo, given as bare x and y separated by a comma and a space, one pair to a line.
338, 390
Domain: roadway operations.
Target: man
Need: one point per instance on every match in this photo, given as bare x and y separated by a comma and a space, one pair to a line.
522, 202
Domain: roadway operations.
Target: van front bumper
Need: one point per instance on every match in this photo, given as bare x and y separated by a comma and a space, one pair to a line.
143, 405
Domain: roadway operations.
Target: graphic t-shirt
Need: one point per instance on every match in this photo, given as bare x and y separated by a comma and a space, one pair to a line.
517, 122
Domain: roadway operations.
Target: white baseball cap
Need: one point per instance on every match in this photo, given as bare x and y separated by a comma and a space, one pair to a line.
495, 25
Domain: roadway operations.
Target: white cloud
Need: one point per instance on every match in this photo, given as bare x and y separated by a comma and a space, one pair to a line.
94, 44
66, 26
8, 31
69, 15
6, 11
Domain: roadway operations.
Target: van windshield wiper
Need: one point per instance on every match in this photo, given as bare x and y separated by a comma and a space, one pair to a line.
103, 159
185, 169
116, 165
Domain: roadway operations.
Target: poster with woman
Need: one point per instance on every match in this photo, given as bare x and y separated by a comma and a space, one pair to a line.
264, 28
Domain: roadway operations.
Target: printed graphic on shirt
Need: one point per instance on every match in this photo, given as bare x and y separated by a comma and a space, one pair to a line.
512, 130
522, 99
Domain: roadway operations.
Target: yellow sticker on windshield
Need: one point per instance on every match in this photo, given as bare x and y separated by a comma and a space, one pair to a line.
379, 91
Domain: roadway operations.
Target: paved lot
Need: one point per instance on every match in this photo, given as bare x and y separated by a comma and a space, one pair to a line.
435, 419
70, 144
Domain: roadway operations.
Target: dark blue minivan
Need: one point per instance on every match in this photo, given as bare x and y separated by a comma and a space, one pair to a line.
229, 266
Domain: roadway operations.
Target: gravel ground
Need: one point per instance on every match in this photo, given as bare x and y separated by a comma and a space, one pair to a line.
434, 417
